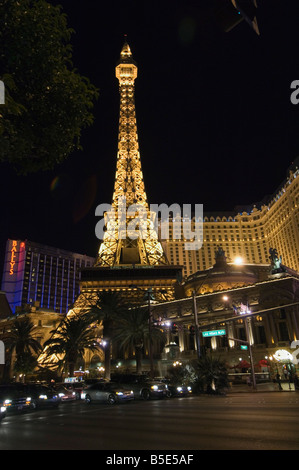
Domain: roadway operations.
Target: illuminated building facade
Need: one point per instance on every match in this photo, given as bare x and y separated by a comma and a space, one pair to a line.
224, 297
35, 273
249, 234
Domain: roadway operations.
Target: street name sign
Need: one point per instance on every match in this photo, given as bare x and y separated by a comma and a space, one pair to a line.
213, 333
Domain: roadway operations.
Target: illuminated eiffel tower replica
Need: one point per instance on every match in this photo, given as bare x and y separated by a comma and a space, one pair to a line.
125, 264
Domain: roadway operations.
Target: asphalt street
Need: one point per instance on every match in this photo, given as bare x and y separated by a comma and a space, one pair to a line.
240, 421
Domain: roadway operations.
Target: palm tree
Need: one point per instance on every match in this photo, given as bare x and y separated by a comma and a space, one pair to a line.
212, 374
106, 310
70, 341
25, 364
133, 330
21, 339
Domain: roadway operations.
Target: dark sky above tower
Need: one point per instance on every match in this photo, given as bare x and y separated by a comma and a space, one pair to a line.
215, 121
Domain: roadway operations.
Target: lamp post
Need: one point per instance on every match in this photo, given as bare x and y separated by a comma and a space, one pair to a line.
196, 325
247, 342
250, 353
149, 296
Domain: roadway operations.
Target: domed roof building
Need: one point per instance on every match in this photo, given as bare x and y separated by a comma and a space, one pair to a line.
223, 275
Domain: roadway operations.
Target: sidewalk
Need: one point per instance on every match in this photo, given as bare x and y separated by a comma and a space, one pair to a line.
263, 387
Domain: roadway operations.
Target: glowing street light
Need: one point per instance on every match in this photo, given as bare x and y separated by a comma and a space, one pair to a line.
238, 261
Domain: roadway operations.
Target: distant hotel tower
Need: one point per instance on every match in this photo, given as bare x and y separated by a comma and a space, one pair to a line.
35, 273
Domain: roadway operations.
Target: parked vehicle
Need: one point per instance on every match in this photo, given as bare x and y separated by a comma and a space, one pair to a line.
176, 389
106, 392
14, 397
76, 387
143, 387
65, 393
2, 411
42, 396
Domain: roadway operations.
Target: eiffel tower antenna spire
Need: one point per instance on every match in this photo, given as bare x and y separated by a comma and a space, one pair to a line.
117, 247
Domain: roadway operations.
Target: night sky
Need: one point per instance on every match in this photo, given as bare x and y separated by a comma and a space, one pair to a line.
215, 122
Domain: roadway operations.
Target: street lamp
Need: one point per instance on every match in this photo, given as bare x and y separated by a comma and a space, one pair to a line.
245, 310
196, 325
149, 296
250, 352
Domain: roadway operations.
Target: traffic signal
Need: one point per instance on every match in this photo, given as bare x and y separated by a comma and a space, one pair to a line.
174, 329
229, 13
192, 330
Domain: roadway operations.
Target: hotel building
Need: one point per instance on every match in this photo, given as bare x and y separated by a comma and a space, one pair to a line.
41, 275
248, 234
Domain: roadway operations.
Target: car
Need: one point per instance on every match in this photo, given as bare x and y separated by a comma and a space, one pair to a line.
144, 387
42, 396
14, 397
108, 392
65, 392
77, 387
176, 389
2, 411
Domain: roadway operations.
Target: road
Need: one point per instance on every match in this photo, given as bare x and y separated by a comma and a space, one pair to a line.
241, 421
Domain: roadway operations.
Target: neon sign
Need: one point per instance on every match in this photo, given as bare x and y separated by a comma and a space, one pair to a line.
13, 257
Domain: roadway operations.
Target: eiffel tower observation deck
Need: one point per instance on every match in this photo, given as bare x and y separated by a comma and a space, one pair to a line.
129, 259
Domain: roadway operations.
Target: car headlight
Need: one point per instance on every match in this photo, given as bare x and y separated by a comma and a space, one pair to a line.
179, 389
61, 395
2, 409
7, 402
119, 393
189, 389
43, 397
74, 393
154, 387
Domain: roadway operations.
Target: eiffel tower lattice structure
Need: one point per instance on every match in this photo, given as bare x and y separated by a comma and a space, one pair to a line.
124, 260
118, 247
